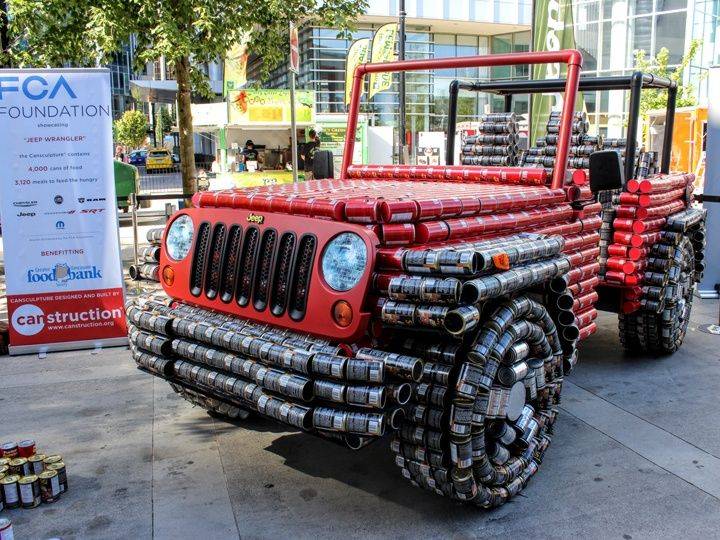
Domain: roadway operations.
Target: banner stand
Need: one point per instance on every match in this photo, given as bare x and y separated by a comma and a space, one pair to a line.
64, 277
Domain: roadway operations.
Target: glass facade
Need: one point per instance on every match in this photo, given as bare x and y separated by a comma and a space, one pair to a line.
322, 61
492, 11
609, 31
120, 74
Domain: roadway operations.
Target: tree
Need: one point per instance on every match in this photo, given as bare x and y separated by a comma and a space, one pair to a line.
185, 32
652, 99
163, 124
131, 129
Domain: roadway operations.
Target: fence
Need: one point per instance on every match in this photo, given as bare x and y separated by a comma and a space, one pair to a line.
156, 181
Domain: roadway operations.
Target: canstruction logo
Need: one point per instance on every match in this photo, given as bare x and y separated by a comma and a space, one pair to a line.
29, 319
62, 274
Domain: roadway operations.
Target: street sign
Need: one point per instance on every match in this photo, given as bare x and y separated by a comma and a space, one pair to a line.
294, 50
59, 210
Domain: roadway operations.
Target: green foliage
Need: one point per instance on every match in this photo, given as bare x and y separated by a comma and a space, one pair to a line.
88, 32
131, 129
163, 124
657, 99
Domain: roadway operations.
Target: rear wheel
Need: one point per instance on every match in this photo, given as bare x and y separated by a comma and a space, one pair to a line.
659, 326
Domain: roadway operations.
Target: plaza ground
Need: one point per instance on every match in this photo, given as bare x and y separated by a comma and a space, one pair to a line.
636, 455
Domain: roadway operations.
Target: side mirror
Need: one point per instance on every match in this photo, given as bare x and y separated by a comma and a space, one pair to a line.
606, 171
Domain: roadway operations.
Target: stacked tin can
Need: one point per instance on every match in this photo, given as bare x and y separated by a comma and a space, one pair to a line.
581, 144
496, 141
640, 216
241, 366
148, 258
656, 311
29, 478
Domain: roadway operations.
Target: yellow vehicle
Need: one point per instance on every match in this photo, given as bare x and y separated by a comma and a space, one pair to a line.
159, 160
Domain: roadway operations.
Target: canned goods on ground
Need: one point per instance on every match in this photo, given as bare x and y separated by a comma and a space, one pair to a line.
9, 450
59, 467
10, 491
26, 448
49, 486
54, 458
36, 463
29, 491
6, 529
19, 466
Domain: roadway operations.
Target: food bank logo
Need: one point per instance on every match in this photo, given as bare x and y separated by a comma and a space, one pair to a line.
62, 273
35, 87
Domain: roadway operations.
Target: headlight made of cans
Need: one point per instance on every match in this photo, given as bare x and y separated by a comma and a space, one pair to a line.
179, 238
343, 261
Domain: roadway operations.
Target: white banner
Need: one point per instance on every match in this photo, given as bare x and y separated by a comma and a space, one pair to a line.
58, 210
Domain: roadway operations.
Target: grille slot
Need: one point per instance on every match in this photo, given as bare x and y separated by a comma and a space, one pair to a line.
246, 269
281, 279
264, 269
199, 259
215, 261
301, 277
231, 258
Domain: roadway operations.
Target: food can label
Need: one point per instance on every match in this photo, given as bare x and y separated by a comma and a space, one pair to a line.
11, 493
26, 493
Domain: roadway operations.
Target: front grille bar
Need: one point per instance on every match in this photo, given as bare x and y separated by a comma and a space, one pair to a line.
199, 259
230, 264
263, 273
215, 261
301, 277
283, 270
246, 269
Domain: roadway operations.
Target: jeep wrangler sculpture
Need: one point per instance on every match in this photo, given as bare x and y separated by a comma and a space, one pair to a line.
439, 305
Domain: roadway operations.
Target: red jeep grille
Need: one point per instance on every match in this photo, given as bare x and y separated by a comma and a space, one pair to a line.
214, 269
230, 266
199, 259
257, 266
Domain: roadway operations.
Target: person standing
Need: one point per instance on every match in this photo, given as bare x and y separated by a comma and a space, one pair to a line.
308, 153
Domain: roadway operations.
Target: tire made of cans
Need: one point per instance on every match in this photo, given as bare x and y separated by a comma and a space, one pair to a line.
660, 325
481, 437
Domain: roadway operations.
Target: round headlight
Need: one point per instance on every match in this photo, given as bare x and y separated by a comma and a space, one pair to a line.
343, 261
179, 238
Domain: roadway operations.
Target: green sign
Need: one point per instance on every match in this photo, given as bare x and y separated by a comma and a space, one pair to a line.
553, 32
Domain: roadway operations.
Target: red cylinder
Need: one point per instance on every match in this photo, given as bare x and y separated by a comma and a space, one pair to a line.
397, 234
587, 331
432, 231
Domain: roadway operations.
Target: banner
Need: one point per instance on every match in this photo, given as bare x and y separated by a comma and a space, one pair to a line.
553, 31
359, 53
59, 210
294, 50
270, 107
383, 50
235, 72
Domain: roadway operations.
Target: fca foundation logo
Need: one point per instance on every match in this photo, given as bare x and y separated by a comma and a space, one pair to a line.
35, 87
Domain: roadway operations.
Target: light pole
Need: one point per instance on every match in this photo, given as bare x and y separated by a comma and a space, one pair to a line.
401, 86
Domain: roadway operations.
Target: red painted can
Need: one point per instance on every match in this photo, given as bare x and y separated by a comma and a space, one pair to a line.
9, 450
26, 448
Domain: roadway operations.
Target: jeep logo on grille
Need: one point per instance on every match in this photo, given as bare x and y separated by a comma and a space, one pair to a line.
254, 218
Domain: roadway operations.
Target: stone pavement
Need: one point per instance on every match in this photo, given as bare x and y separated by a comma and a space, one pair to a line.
636, 455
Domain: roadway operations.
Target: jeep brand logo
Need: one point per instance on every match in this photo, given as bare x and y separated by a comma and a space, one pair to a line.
35, 87
254, 218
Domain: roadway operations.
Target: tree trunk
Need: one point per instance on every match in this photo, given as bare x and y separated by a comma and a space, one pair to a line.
187, 145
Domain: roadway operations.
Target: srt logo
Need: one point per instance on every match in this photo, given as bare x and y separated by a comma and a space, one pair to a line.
35, 87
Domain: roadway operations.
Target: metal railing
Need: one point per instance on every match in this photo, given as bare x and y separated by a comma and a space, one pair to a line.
169, 180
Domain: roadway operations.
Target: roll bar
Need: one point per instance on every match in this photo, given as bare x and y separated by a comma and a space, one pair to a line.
635, 83
571, 57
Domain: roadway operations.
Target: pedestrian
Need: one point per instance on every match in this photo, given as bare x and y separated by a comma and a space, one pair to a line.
309, 153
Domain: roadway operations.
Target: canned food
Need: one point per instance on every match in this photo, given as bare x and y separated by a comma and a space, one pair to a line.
49, 486
36, 463
59, 467
29, 491
9, 450
10, 491
19, 466
26, 448
6, 529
